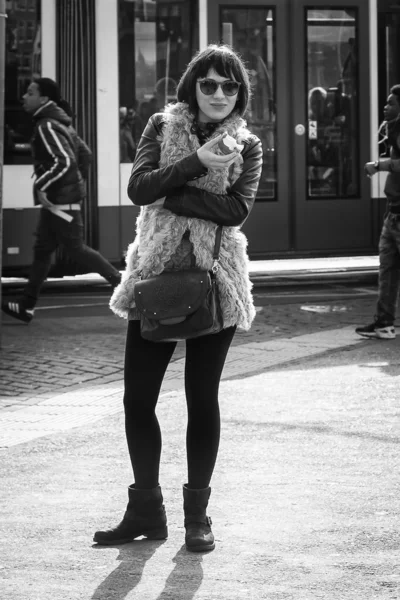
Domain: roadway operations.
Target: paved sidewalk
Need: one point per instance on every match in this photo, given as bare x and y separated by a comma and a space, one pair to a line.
54, 355
304, 497
79, 406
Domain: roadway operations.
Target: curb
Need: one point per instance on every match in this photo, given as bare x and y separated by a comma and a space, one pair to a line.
306, 278
259, 280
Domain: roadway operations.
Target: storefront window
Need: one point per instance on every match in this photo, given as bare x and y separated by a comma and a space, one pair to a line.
23, 62
252, 31
332, 87
157, 39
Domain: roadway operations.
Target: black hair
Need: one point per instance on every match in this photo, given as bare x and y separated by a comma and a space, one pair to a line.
227, 63
395, 89
50, 88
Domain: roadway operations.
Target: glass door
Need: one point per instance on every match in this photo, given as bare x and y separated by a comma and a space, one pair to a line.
332, 114
309, 70
331, 126
241, 29
253, 31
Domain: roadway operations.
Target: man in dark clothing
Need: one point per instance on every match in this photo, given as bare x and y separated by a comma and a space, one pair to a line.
389, 242
61, 162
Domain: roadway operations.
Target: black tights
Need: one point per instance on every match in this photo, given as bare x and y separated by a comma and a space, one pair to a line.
145, 366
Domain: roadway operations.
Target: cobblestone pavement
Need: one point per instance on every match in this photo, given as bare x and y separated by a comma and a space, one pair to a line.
52, 354
86, 404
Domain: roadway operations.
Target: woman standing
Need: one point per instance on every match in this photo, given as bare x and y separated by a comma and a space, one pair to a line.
187, 187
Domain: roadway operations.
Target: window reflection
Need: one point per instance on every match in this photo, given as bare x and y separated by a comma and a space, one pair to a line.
157, 39
332, 156
251, 30
22, 63
388, 55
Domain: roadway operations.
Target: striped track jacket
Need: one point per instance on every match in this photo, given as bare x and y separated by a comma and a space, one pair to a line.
61, 158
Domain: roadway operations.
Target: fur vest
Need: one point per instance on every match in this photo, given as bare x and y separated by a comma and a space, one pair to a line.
159, 231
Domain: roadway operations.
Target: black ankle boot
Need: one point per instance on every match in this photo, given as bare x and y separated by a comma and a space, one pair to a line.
199, 537
145, 515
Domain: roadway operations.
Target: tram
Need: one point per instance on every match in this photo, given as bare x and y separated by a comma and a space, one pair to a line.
320, 71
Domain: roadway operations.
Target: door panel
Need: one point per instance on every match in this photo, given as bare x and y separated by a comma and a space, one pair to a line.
241, 29
331, 210
253, 30
307, 108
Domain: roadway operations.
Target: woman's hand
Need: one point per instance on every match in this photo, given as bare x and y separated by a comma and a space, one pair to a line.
213, 161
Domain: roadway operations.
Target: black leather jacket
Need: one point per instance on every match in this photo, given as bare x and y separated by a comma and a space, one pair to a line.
148, 182
61, 158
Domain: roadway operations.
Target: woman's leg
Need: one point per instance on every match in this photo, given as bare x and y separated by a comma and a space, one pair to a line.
205, 359
145, 366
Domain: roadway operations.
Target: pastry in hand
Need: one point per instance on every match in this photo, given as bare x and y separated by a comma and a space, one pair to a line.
227, 144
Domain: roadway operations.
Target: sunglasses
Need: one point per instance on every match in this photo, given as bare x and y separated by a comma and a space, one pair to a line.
210, 86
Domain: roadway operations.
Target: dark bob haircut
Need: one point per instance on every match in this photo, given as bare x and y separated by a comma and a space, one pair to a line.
227, 63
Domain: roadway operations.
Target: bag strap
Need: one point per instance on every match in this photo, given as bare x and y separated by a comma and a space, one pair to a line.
217, 246
218, 236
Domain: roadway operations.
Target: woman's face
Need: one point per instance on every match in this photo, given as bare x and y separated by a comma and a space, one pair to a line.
218, 105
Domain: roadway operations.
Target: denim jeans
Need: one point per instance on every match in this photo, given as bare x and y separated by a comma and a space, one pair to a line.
53, 231
389, 269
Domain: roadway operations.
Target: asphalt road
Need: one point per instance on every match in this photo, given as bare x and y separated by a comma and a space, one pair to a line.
92, 301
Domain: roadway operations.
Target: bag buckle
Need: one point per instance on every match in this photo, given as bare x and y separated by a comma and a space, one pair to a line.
215, 266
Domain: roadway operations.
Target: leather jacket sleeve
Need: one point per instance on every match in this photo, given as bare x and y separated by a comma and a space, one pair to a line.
148, 182
230, 209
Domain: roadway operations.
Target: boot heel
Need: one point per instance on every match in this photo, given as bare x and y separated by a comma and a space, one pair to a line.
157, 534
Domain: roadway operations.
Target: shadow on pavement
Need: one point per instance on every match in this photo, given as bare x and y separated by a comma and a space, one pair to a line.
187, 575
324, 430
133, 558
183, 581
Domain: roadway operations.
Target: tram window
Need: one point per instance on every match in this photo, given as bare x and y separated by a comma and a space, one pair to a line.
22, 63
332, 85
388, 50
253, 31
156, 41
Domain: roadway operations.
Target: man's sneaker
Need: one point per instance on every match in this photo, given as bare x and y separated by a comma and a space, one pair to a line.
16, 310
377, 330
